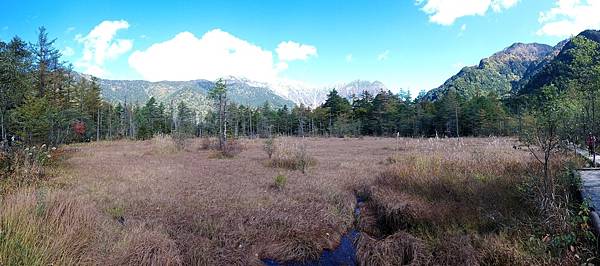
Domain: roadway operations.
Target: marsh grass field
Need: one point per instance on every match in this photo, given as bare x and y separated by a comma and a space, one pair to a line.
426, 202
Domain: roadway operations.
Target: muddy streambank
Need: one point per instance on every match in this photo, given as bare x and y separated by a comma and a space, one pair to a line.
373, 234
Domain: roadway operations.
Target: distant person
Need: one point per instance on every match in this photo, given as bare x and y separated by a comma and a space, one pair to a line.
591, 143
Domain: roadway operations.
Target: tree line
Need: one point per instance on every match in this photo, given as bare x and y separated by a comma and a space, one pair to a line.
42, 100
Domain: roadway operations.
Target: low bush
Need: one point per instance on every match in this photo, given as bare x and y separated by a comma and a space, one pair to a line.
231, 149
293, 157
280, 181
24, 166
269, 146
180, 139
207, 143
162, 143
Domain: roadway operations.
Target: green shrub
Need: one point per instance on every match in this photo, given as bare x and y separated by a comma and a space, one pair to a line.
280, 181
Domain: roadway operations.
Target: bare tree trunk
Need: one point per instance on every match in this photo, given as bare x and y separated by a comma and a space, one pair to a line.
98, 125
250, 123
109, 122
3, 136
456, 120
222, 123
237, 126
594, 130
330, 126
131, 130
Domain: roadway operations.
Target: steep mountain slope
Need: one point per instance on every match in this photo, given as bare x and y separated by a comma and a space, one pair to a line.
499, 73
538, 66
562, 68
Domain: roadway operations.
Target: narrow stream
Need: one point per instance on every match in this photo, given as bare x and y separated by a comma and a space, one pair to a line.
344, 254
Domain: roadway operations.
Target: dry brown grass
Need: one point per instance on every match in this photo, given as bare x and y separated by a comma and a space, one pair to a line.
398, 249
292, 155
38, 228
187, 207
225, 211
459, 198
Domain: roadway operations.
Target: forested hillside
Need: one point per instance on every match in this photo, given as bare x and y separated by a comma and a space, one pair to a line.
499, 74
579, 60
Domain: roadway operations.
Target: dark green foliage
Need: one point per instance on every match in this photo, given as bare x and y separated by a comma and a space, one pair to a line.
498, 74
152, 119
575, 73
579, 60
40, 99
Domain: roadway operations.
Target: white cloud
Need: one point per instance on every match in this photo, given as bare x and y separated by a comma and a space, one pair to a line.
216, 54
445, 12
67, 51
349, 58
498, 5
100, 45
281, 66
570, 17
384, 55
290, 51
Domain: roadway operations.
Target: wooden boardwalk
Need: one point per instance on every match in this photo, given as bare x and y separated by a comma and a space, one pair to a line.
584, 153
590, 187
590, 179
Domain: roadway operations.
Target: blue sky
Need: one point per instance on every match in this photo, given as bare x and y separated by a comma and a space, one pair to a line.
411, 44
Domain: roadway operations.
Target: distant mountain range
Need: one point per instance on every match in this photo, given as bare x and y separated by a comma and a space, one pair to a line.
240, 91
